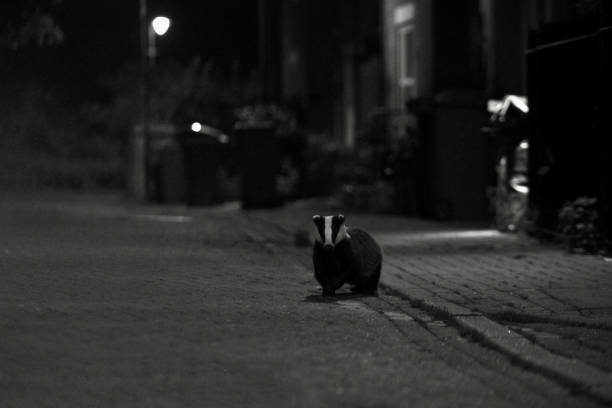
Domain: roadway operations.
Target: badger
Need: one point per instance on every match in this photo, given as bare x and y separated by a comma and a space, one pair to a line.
345, 255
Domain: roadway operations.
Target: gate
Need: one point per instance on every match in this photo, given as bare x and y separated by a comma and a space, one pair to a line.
569, 91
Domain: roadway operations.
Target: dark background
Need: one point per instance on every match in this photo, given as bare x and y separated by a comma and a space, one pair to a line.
101, 37
70, 75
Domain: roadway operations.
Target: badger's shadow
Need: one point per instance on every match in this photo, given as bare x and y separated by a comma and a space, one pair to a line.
319, 298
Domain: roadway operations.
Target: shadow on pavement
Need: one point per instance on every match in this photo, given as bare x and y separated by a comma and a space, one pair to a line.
336, 298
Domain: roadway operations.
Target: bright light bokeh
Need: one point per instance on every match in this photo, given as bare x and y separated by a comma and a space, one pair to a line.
196, 126
520, 102
160, 25
494, 105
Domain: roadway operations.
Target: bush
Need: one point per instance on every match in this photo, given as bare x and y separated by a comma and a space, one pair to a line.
45, 143
579, 225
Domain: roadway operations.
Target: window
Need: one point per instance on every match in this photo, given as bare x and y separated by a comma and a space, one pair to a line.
407, 60
403, 13
404, 58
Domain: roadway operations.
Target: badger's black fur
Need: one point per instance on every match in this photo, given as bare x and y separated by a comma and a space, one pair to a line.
345, 255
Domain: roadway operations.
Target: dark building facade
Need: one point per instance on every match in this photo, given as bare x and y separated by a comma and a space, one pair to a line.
438, 62
435, 71
569, 84
322, 58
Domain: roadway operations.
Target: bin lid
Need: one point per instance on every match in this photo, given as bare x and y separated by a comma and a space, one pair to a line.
202, 133
499, 109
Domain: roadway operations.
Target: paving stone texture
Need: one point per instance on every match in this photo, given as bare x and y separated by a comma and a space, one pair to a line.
106, 303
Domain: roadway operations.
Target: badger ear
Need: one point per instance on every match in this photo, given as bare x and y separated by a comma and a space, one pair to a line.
341, 218
316, 218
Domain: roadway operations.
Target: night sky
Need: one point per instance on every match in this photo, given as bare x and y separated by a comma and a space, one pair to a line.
101, 37
107, 34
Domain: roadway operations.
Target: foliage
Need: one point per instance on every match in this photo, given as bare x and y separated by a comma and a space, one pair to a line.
30, 22
366, 176
178, 94
266, 115
352, 177
579, 225
381, 166
508, 205
325, 161
45, 144
387, 138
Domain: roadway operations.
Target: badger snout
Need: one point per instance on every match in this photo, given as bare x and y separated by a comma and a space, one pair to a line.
328, 247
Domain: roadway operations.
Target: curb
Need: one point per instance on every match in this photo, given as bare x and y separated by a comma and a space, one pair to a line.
576, 374
579, 376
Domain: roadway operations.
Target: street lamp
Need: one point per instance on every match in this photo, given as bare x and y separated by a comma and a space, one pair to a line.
158, 26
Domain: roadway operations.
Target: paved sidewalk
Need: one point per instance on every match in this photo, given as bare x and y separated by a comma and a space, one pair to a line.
546, 308
104, 302
549, 309
500, 275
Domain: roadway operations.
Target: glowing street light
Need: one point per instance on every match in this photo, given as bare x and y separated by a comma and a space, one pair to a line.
149, 29
196, 127
160, 25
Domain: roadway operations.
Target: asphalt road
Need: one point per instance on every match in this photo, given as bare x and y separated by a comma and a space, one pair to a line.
104, 304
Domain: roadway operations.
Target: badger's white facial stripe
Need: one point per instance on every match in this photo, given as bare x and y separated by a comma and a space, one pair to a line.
342, 234
328, 231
